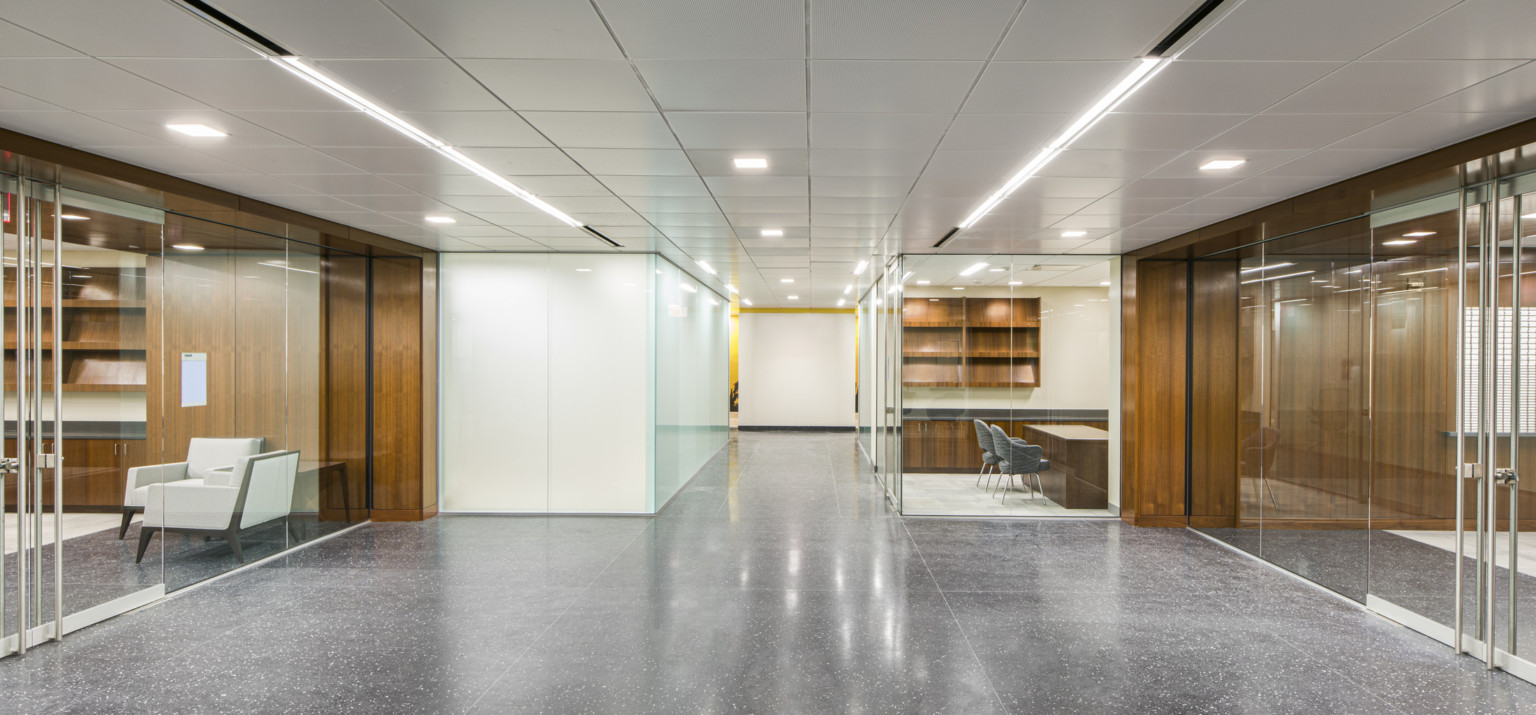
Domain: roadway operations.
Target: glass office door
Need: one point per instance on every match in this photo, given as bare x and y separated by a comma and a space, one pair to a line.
1497, 403
73, 323
890, 321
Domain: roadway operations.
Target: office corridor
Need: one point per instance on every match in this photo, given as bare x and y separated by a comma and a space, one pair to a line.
778, 581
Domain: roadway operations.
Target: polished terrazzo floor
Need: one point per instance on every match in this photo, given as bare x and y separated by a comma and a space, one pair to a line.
777, 582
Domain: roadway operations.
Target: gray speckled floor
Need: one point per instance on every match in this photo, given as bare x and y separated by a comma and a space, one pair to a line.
778, 581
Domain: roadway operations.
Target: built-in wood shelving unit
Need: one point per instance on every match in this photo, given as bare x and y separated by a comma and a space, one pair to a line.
103, 345
971, 342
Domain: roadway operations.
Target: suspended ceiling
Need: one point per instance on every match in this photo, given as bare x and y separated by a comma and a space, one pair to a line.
884, 122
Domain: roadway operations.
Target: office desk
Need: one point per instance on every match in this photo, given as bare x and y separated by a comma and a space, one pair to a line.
1079, 473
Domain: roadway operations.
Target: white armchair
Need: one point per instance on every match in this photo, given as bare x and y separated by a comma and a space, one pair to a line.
257, 490
204, 455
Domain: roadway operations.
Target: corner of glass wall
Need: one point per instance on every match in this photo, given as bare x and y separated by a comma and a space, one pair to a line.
691, 416
1009, 393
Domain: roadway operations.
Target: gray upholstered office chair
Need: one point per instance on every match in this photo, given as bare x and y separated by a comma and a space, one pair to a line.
988, 458
1019, 458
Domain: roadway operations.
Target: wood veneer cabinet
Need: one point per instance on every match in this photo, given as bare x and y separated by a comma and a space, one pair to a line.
95, 471
970, 342
950, 447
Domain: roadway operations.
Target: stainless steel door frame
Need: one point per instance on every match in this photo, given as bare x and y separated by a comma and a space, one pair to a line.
32, 381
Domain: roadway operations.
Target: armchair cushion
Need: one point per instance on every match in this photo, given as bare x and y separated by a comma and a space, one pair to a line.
189, 504
139, 479
207, 454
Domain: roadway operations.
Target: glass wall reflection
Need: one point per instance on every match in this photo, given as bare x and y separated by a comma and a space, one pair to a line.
1007, 385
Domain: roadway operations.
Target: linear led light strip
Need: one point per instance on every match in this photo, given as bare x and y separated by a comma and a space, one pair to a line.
361, 103
1145, 68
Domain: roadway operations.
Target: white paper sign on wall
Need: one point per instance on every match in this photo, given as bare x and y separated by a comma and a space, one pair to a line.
194, 379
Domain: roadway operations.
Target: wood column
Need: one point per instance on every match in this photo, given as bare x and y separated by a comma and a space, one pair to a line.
404, 388
1154, 330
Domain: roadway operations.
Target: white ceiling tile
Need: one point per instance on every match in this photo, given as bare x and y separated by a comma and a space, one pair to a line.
780, 204
403, 160
729, 85
1273, 188
1310, 29
318, 204
485, 206
1293, 131
840, 205
567, 185
284, 160
1090, 29
635, 162
332, 29
1486, 29
673, 204
692, 29
232, 84
1156, 131
1423, 131
445, 185
607, 130
525, 162
1513, 92
258, 186
888, 86
17, 101
1188, 87
781, 162
739, 130
851, 220
85, 83
538, 29
1089, 163
413, 85
755, 218
1255, 161
167, 159
1017, 132
563, 85
631, 186
346, 184
860, 186
152, 122
868, 162
328, 129
1366, 87
472, 129
116, 29
1042, 87
789, 186
1340, 163
73, 129
907, 29
668, 221
877, 131
20, 42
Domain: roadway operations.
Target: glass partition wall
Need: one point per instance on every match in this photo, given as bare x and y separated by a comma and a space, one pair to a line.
170, 402
1023, 347
1382, 392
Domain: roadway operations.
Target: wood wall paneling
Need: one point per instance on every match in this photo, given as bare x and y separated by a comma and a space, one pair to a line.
1214, 425
399, 449
1160, 323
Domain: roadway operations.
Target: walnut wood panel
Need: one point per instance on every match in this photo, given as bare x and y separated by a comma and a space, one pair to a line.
192, 301
345, 376
1214, 393
94, 473
1156, 322
397, 387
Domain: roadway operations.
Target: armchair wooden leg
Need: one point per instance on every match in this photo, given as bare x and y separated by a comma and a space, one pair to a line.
232, 535
127, 517
145, 534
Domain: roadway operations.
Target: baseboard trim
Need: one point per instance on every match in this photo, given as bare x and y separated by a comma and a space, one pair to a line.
1160, 522
403, 514
779, 428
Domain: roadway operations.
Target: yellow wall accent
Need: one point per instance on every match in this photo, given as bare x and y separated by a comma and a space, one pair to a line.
735, 333
849, 311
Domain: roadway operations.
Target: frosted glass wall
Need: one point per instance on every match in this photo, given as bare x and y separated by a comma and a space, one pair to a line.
692, 376
569, 385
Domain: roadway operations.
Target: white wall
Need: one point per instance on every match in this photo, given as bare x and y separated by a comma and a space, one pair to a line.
796, 369
545, 374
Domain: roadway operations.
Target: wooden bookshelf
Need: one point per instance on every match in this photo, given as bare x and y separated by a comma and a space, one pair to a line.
104, 331
971, 342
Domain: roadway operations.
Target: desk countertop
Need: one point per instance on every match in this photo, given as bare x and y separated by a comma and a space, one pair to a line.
1072, 432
